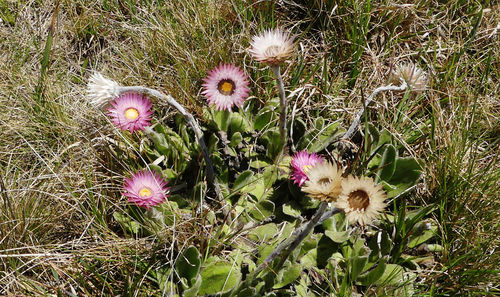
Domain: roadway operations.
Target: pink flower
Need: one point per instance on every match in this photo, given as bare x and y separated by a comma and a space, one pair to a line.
301, 163
131, 112
146, 189
225, 86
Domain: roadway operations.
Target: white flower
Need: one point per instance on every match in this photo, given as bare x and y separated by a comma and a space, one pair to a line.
361, 200
413, 76
100, 90
272, 47
324, 182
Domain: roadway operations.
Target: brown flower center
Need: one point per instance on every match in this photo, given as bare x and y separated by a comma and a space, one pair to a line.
145, 192
226, 87
324, 181
131, 113
359, 200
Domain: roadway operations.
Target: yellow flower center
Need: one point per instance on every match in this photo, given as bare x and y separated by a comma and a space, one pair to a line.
306, 168
359, 200
226, 87
131, 114
145, 192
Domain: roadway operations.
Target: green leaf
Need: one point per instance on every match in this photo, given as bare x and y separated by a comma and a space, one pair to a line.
388, 163
188, 264
369, 278
243, 179
221, 118
325, 136
262, 120
194, 289
336, 236
406, 175
357, 265
238, 124
288, 275
262, 210
291, 209
236, 139
273, 139
219, 277
392, 275
127, 223
270, 176
309, 259
416, 240
264, 232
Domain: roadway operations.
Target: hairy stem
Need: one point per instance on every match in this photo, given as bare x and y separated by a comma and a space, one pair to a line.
191, 121
283, 106
357, 119
297, 237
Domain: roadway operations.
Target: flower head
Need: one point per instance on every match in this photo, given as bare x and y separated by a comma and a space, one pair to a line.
413, 76
272, 47
361, 199
325, 182
100, 89
146, 189
225, 86
301, 163
131, 112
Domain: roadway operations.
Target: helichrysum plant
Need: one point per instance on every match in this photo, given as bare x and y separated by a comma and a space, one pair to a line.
265, 190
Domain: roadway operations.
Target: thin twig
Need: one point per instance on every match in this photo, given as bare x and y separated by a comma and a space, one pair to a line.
357, 119
191, 121
283, 105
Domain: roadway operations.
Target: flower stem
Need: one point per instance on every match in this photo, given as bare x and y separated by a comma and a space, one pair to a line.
191, 121
283, 106
288, 246
357, 119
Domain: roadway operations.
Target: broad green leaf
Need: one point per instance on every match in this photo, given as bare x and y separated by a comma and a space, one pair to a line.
369, 278
238, 124
127, 223
243, 179
264, 232
262, 210
270, 176
406, 174
392, 275
324, 137
221, 118
309, 259
262, 120
219, 277
188, 264
236, 139
288, 275
388, 163
337, 236
194, 289
273, 139
416, 240
357, 264
291, 209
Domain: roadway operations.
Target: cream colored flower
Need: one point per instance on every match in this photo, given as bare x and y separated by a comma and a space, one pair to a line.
361, 200
413, 76
100, 90
272, 47
325, 182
